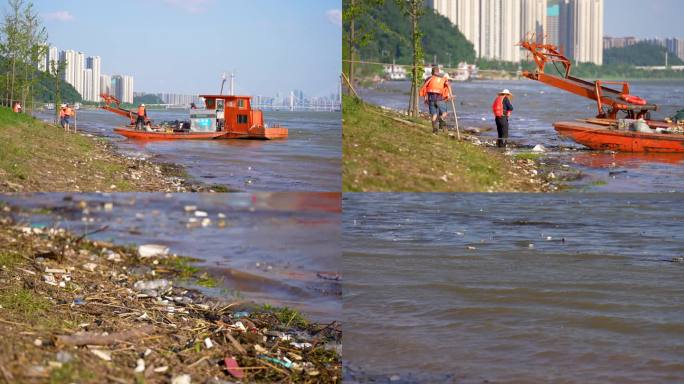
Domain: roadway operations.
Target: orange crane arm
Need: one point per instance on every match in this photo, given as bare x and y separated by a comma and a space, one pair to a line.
609, 98
112, 104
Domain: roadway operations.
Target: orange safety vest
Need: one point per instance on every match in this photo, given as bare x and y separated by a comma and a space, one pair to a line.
61, 113
435, 84
68, 112
16, 108
498, 108
141, 111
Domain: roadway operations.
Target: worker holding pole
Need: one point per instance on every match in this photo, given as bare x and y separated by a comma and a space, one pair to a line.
435, 91
502, 109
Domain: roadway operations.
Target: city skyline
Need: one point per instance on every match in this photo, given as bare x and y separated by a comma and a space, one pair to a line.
495, 27
269, 45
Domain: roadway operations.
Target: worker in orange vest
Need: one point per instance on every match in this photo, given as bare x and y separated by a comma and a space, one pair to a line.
142, 115
17, 107
435, 91
68, 112
502, 109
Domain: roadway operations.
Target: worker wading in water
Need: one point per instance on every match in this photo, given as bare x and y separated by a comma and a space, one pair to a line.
142, 116
436, 90
502, 109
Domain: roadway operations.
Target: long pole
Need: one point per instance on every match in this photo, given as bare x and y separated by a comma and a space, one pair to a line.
453, 107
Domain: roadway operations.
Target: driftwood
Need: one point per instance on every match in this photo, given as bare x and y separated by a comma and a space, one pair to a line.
90, 338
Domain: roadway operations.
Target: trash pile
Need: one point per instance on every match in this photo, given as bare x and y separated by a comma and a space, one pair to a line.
76, 310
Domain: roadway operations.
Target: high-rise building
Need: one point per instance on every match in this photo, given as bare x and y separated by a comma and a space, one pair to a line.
122, 85
94, 64
463, 13
552, 24
68, 57
581, 30
675, 46
500, 29
52, 59
87, 84
618, 42
495, 26
106, 84
534, 20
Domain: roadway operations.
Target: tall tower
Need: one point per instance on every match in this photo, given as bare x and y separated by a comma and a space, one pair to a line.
94, 63
581, 30
465, 14
534, 19
500, 29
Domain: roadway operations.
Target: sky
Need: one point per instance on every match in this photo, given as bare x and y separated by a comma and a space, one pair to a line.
184, 46
644, 18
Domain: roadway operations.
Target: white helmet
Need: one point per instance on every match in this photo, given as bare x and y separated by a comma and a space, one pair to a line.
505, 92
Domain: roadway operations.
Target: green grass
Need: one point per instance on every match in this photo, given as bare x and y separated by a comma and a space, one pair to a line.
23, 302
70, 373
381, 154
528, 156
9, 259
288, 317
41, 157
181, 265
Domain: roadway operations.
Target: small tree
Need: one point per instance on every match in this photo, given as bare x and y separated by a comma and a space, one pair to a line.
414, 9
57, 69
356, 38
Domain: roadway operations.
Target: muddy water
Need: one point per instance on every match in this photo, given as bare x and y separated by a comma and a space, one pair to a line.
309, 160
538, 106
514, 288
271, 247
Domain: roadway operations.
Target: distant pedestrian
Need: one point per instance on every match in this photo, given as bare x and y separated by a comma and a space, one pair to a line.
62, 110
17, 107
435, 91
502, 109
68, 112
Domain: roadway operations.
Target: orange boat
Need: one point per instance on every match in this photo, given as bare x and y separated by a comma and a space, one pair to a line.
224, 117
133, 133
602, 137
606, 131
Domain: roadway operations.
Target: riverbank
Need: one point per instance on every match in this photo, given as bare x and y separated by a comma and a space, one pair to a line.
386, 151
75, 310
35, 156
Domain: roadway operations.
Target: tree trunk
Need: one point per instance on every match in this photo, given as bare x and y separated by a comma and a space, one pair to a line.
352, 36
413, 104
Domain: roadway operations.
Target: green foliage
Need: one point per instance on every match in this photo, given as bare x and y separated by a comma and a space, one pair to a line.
640, 54
147, 99
392, 38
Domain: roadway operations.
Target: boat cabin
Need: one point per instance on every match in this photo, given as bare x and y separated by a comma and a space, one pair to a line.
229, 113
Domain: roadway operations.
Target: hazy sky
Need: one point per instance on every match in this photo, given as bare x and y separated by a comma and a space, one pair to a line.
644, 18
183, 46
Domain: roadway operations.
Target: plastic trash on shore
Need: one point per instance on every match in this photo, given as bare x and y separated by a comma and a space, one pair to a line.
153, 250
539, 148
161, 285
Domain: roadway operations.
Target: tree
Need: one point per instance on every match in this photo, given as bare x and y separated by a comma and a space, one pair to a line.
355, 37
23, 42
414, 9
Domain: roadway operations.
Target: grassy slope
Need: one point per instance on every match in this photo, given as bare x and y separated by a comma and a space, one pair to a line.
380, 154
44, 158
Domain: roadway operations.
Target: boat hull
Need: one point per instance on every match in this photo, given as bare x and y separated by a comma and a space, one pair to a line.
144, 135
258, 133
599, 137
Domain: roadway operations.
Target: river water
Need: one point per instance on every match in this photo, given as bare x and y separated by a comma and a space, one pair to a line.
309, 160
538, 106
562, 288
270, 248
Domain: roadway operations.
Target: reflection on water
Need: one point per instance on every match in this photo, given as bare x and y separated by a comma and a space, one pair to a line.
538, 106
263, 247
309, 160
515, 288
